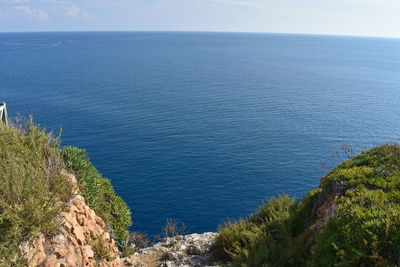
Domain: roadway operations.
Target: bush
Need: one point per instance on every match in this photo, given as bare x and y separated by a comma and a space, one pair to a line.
274, 235
98, 192
32, 190
365, 231
235, 239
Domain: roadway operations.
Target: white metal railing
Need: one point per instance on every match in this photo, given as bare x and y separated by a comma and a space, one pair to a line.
3, 112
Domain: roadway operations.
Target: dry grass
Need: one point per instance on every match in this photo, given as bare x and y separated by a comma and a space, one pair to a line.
32, 189
173, 227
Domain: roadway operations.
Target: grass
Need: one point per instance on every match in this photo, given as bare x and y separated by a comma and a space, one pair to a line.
275, 235
32, 190
101, 250
365, 232
174, 227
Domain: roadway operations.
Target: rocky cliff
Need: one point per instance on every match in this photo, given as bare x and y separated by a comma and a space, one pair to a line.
82, 240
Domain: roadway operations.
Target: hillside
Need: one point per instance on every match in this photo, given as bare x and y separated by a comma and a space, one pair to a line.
351, 219
57, 210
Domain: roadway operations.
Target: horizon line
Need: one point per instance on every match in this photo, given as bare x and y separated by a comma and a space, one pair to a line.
209, 31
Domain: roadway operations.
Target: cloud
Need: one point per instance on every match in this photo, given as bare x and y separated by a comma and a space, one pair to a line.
365, 2
34, 13
14, 1
76, 12
54, 2
249, 3
19, 1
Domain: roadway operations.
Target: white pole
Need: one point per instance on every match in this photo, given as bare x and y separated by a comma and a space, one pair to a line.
3, 113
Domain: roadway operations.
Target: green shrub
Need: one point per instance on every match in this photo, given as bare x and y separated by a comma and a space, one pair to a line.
32, 190
365, 231
273, 236
235, 239
98, 192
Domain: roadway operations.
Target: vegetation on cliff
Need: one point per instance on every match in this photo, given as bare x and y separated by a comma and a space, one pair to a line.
98, 192
362, 228
351, 219
33, 190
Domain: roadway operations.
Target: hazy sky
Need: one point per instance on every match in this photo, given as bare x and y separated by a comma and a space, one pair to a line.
347, 17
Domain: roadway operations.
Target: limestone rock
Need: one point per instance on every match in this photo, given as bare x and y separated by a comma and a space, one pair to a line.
325, 207
178, 251
74, 244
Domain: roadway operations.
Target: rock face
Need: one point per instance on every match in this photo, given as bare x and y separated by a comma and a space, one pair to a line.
177, 251
325, 207
82, 240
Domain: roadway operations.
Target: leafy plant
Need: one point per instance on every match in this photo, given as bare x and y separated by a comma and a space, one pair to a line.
364, 232
98, 192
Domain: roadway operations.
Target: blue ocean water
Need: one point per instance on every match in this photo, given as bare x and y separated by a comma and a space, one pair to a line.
201, 127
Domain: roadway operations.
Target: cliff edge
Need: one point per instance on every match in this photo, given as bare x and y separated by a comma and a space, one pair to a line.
57, 210
351, 219
82, 239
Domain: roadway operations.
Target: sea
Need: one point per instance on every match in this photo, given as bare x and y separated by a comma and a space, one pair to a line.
203, 127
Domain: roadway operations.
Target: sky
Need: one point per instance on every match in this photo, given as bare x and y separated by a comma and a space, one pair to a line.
337, 17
